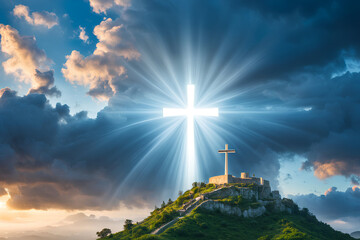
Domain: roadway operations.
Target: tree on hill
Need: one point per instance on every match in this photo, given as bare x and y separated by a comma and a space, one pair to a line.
163, 204
128, 225
170, 201
103, 233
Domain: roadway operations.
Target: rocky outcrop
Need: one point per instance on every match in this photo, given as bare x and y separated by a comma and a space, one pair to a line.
246, 193
232, 210
250, 212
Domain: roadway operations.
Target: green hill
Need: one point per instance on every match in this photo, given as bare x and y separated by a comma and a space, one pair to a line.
204, 212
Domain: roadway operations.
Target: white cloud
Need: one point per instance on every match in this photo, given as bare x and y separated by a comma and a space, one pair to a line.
97, 72
114, 38
102, 71
44, 18
83, 35
101, 6
26, 61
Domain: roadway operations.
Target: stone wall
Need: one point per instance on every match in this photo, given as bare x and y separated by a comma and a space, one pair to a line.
222, 179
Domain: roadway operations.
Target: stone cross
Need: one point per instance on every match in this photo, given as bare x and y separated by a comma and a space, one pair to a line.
226, 151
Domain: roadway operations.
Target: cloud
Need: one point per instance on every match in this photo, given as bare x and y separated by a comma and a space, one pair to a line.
25, 61
25, 56
2, 191
102, 71
72, 227
83, 35
101, 6
44, 81
44, 18
51, 160
288, 177
333, 204
114, 38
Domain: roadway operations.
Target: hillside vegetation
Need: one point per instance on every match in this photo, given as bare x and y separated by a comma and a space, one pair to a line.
205, 224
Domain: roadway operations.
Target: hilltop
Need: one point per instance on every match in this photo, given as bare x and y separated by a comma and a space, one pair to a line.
229, 211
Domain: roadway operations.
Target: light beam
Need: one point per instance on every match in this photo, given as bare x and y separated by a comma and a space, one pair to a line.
190, 112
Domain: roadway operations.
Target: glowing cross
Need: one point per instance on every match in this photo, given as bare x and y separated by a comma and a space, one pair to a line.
190, 112
226, 151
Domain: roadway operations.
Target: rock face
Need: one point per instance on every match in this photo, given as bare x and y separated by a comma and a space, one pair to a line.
246, 193
276, 194
232, 210
250, 212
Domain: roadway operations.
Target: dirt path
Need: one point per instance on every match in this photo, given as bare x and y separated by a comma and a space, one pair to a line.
172, 222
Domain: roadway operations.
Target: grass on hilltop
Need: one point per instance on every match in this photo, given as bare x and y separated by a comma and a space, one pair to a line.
204, 224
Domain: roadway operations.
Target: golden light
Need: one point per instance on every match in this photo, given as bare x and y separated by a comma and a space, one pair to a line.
4, 199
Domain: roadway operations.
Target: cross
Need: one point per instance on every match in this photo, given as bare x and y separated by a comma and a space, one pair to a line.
226, 151
190, 112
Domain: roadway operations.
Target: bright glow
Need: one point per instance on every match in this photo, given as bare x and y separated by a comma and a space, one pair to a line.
190, 112
4, 199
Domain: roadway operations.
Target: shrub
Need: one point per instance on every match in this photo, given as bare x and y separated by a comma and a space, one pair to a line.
128, 225
103, 233
139, 231
199, 235
266, 237
270, 207
149, 237
204, 225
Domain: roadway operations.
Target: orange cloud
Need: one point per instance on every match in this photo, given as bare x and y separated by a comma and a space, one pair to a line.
101, 71
325, 170
25, 58
332, 189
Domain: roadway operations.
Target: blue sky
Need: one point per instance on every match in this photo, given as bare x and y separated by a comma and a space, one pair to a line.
284, 75
57, 42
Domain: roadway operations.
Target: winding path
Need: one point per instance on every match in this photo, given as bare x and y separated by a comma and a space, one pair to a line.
162, 228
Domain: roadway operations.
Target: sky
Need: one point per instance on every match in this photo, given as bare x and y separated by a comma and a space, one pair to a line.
83, 85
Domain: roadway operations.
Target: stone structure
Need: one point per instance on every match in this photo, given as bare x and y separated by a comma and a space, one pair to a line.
225, 179
264, 185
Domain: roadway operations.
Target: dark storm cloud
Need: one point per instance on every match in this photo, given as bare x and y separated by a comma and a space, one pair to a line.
294, 37
44, 82
333, 204
315, 37
50, 159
